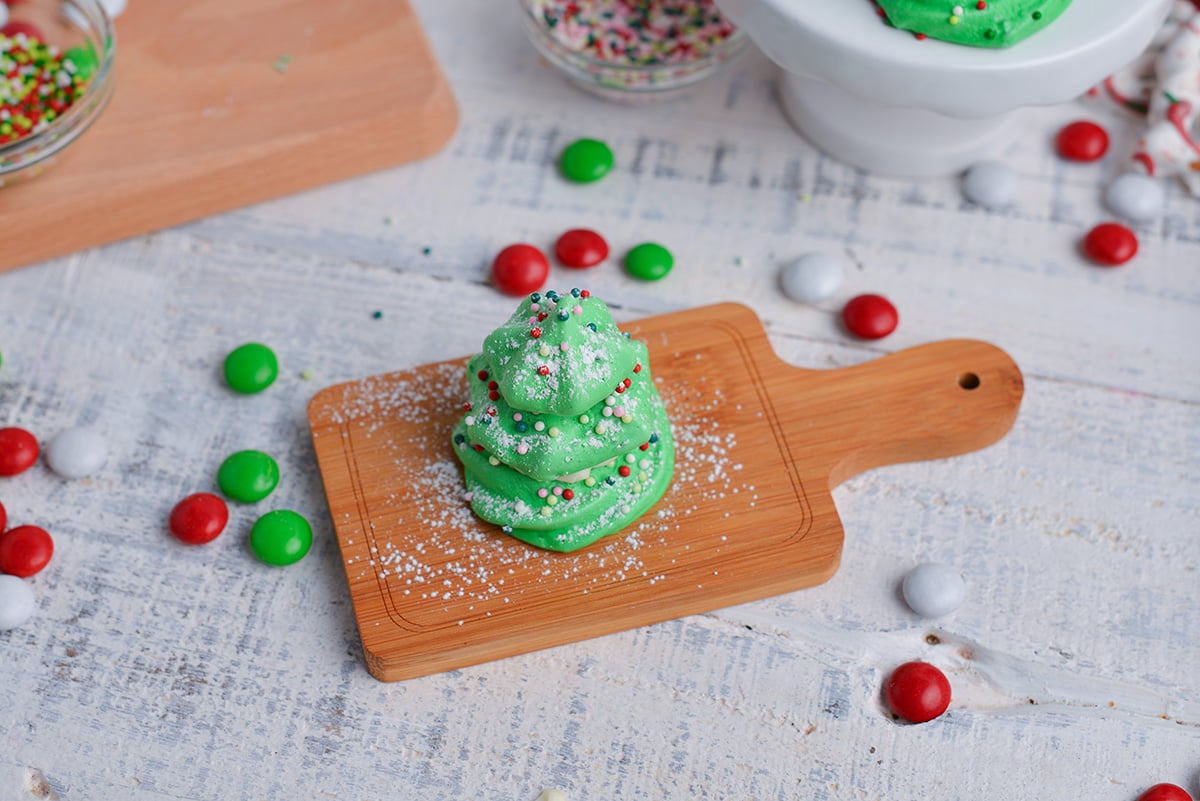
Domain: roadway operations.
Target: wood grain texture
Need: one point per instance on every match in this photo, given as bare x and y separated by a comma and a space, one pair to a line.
379, 441
226, 103
157, 671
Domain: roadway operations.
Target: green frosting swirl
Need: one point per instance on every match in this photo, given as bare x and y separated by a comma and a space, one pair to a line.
976, 23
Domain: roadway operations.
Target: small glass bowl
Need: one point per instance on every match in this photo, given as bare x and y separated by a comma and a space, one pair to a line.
628, 83
64, 24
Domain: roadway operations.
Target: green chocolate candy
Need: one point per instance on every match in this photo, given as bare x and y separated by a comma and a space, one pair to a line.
251, 368
586, 160
281, 537
248, 476
84, 59
649, 261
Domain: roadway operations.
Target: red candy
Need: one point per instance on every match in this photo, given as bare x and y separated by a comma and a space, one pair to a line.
19, 26
198, 518
3, 518
1110, 244
520, 269
18, 451
870, 316
25, 550
1082, 141
917, 692
1165, 792
581, 248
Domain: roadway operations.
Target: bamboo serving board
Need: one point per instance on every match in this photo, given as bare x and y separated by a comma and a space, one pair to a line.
223, 103
759, 445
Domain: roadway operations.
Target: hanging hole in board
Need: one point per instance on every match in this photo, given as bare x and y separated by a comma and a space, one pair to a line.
968, 381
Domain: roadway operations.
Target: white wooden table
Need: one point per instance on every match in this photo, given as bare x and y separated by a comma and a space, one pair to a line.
152, 670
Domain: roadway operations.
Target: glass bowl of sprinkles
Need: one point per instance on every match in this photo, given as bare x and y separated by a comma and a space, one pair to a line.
633, 50
56, 78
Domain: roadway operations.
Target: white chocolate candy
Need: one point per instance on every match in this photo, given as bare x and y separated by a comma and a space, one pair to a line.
16, 602
991, 184
77, 452
811, 278
933, 590
113, 7
1135, 197
552, 794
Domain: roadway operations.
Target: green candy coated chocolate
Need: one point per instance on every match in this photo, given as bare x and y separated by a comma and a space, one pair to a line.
586, 160
281, 537
649, 261
251, 368
248, 476
84, 58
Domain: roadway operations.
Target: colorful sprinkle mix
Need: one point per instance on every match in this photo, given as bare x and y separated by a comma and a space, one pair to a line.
37, 84
635, 32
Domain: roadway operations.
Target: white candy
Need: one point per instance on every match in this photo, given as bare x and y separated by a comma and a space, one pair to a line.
1135, 197
77, 452
3, 15
552, 794
16, 602
811, 278
991, 184
113, 7
933, 590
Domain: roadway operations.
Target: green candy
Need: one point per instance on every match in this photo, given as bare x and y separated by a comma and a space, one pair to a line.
281, 537
649, 261
84, 58
586, 160
251, 368
248, 476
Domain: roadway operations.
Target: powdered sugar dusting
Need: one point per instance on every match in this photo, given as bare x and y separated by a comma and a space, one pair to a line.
410, 530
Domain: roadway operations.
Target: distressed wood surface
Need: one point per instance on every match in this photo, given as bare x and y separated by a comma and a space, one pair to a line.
156, 671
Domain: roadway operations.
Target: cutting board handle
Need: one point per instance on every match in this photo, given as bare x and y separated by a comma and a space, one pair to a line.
928, 402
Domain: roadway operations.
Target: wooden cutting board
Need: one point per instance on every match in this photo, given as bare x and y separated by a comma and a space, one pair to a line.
223, 103
760, 444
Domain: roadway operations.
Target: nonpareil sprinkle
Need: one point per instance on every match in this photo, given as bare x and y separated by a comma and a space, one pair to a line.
37, 84
636, 33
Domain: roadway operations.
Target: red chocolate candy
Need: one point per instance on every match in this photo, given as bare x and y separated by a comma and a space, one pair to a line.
1110, 244
198, 518
580, 248
917, 692
870, 316
20, 26
1082, 141
18, 451
520, 269
25, 550
1165, 792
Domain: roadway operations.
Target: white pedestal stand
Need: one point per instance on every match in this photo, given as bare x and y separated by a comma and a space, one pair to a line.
879, 98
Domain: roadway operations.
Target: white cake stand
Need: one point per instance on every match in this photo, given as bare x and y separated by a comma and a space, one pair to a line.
879, 98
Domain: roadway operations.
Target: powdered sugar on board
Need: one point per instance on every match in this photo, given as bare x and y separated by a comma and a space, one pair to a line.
411, 531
